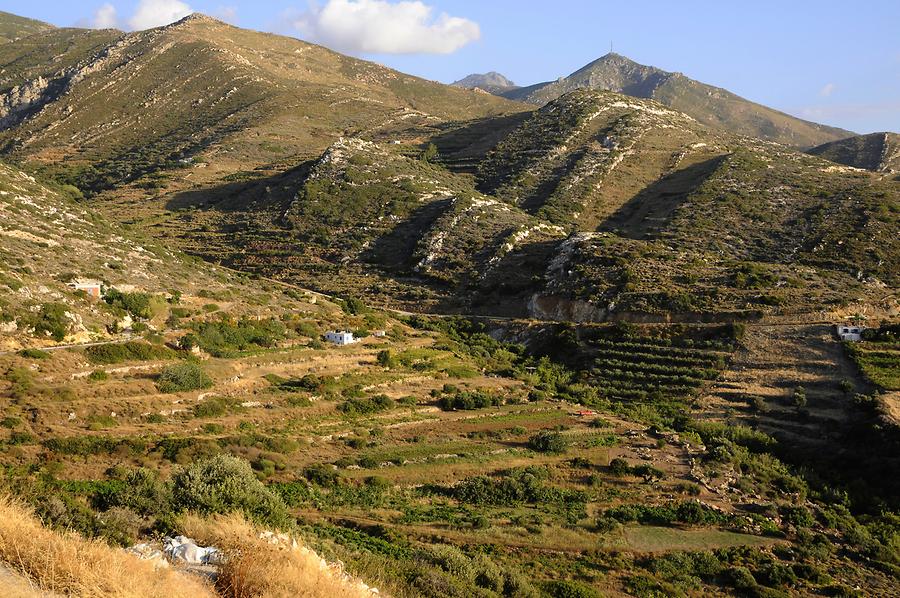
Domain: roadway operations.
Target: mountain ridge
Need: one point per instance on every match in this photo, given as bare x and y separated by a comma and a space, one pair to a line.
13, 27
116, 106
711, 105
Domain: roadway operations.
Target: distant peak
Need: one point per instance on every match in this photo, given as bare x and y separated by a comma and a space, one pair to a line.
196, 18
482, 80
615, 57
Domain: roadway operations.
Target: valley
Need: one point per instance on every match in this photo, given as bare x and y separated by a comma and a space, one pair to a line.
594, 346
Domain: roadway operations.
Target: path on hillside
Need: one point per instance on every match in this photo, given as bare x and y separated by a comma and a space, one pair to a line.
117, 341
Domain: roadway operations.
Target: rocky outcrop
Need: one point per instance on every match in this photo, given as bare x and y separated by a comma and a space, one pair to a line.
556, 308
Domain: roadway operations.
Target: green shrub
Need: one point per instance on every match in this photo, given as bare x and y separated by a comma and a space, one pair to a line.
227, 338
225, 484
11, 421
799, 397
130, 351
18, 437
21, 382
34, 354
181, 377
386, 359
548, 441
569, 589
357, 407
741, 578
354, 306
50, 320
322, 475
101, 422
136, 304
619, 467
142, 491
468, 400
98, 375
210, 408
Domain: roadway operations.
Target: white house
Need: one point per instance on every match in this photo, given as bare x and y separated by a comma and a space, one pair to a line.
849, 332
90, 287
379, 334
340, 337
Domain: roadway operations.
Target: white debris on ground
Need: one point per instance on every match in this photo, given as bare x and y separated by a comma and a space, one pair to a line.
146, 552
181, 549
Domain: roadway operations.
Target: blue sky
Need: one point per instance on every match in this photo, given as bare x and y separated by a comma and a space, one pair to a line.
833, 62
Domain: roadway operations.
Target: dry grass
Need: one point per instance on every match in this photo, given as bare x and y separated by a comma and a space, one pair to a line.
256, 567
70, 565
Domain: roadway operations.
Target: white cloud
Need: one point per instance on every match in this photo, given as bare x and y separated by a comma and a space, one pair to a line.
105, 17
155, 13
382, 27
827, 90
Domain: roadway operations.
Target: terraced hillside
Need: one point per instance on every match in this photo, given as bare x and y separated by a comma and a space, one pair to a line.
437, 461
578, 159
200, 98
47, 240
713, 106
361, 210
574, 214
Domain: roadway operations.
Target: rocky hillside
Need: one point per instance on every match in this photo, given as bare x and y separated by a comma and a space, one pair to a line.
879, 152
47, 240
200, 98
712, 106
596, 205
14, 27
492, 82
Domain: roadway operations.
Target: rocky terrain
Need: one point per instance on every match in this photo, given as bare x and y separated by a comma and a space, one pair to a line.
551, 212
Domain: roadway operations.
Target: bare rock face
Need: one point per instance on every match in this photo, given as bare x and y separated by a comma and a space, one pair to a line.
549, 307
21, 99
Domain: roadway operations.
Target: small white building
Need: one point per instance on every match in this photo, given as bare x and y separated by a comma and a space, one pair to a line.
849, 332
340, 337
90, 287
379, 334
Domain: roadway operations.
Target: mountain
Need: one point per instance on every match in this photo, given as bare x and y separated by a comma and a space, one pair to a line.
712, 106
492, 82
14, 27
593, 206
879, 152
103, 108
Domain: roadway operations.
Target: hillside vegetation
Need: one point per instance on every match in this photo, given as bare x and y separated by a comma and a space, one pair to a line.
593, 206
103, 108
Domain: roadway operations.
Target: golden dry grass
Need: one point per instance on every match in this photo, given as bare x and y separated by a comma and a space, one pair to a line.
258, 568
70, 565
